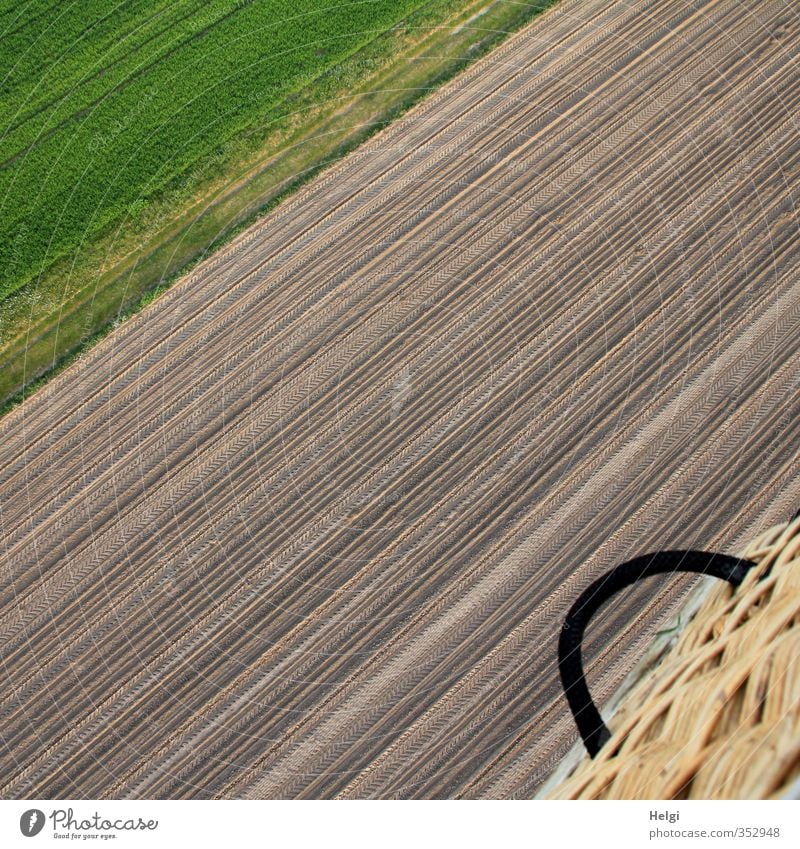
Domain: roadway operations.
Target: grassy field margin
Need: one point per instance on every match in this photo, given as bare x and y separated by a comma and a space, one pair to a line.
48, 324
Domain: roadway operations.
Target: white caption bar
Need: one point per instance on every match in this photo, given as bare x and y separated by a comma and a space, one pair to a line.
411, 825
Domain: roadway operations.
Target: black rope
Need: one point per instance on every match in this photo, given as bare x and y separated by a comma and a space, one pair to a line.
570, 666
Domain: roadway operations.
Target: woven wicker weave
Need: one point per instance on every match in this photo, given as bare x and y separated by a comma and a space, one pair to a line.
719, 718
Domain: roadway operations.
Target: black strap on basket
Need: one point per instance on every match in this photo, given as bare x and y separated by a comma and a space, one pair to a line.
590, 724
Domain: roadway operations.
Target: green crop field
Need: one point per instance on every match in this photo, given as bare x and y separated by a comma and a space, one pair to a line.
137, 136
104, 104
